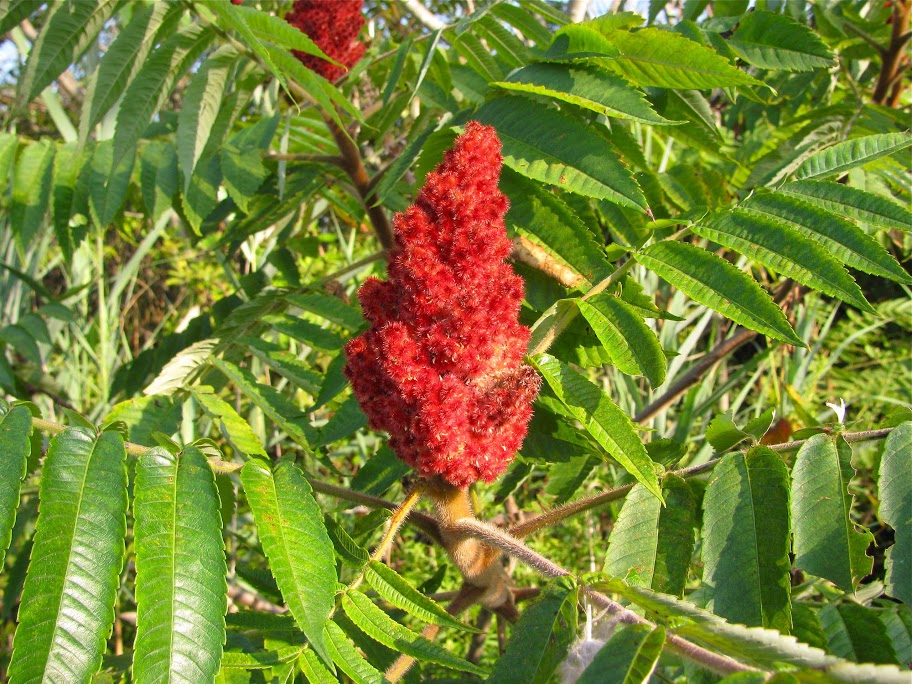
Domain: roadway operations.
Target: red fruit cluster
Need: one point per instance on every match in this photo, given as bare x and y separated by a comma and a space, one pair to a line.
334, 26
440, 368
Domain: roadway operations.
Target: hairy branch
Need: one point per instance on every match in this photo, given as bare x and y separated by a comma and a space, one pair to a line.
549, 518
514, 547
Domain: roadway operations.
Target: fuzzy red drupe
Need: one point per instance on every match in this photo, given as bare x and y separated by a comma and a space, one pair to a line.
440, 368
334, 26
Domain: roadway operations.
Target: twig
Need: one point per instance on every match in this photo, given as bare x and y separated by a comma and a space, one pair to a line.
894, 57
549, 518
510, 545
393, 526
353, 165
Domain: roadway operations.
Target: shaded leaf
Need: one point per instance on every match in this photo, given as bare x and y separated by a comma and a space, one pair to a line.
857, 633
31, 191
122, 60
152, 84
545, 219
827, 543
629, 657
895, 489
548, 146
541, 637
746, 540
15, 447
199, 109
654, 541
69, 28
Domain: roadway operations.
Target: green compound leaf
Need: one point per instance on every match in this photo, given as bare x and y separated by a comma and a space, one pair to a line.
746, 540
15, 446
346, 656
68, 29
757, 645
633, 346
601, 418
382, 628
393, 588
545, 219
827, 543
777, 246
181, 591
843, 156
235, 429
714, 282
548, 146
628, 657
842, 239
653, 544
275, 405
653, 57
895, 487
294, 538
776, 41
67, 608
152, 84
123, 59
541, 637
852, 203
199, 109
587, 87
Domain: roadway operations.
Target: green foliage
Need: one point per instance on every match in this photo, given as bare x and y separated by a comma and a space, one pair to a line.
710, 213
180, 568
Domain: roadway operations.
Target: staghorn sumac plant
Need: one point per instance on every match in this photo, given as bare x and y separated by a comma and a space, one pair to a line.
593, 336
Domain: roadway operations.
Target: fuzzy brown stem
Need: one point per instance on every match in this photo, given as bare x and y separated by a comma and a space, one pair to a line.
888, 88
479, 563
549, 518
353, 165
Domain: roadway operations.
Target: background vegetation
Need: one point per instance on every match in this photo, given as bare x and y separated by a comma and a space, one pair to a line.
710, 212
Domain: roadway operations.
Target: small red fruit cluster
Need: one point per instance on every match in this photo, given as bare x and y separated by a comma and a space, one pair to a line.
334, 26
440, 369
